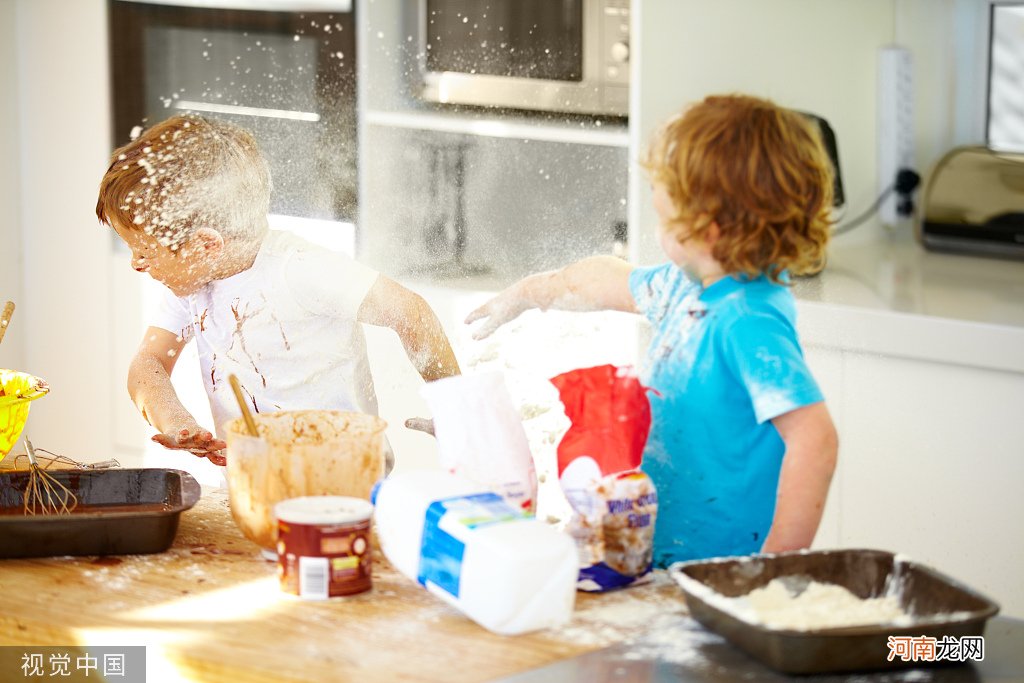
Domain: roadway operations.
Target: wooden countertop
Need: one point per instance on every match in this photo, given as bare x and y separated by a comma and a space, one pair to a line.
209, 609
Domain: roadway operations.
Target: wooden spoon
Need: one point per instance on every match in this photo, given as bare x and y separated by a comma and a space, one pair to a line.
5, 318
246, 415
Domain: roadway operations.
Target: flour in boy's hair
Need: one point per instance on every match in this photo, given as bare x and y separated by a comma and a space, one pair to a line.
202, 175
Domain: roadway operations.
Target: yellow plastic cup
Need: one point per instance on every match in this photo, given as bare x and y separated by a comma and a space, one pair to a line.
17, 390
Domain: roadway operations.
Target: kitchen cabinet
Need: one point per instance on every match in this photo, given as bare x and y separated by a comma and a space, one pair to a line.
930, 465
919, 357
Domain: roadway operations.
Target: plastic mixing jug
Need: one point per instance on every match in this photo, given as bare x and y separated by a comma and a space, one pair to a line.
299, 453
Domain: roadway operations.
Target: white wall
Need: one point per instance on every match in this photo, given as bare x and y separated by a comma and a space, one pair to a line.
12, 351
62, 95
815, 55
948, 40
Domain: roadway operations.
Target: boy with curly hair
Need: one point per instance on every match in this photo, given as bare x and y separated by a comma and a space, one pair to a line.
190, 197
741, 448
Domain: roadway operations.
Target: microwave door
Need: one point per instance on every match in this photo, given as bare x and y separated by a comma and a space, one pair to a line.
525, 54
293, 88
527, 39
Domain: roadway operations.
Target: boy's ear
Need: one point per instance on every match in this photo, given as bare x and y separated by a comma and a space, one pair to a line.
208, 241
712, 234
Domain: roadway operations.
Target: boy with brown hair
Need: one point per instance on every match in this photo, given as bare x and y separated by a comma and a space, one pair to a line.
741, 447
190, 198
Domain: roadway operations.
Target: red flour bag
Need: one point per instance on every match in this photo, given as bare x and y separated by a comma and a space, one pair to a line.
615, 505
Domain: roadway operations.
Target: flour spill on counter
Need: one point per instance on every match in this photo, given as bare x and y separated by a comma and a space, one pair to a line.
616, 616
650, 621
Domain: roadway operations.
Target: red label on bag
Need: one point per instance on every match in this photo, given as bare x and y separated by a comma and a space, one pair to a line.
610, 416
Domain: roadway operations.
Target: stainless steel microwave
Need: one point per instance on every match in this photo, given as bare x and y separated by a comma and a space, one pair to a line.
545, 55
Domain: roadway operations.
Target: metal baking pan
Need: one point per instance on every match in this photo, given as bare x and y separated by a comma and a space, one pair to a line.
936, 604
120, 512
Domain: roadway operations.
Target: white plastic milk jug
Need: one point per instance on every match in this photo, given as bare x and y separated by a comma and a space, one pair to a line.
504, 570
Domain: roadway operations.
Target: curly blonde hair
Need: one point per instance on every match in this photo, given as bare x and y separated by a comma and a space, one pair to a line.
185, 173
757, 171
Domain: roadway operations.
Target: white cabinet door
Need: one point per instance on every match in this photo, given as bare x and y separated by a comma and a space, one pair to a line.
933, 466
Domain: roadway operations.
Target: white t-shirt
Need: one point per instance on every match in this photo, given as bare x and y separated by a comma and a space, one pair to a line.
286, 327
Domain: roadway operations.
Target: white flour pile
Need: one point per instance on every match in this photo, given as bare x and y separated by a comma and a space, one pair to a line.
781, 604
820, 605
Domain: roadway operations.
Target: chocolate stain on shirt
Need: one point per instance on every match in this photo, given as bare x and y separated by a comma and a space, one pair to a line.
239, 335
280, 326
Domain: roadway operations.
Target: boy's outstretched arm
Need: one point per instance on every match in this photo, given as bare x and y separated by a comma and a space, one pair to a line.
389, 304
149, 385
811, 447
598, 283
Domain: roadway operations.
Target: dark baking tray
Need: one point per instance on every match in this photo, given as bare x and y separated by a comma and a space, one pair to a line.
127, 512
929, 597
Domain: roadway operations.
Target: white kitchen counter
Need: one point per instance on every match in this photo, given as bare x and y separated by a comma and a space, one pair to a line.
891, 296
888, 296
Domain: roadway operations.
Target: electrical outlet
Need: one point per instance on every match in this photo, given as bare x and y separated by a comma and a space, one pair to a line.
895, 125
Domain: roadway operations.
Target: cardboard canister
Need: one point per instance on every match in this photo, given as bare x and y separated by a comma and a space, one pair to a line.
323, 546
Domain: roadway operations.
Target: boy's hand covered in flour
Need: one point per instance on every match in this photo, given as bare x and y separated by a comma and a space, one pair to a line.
504, 308
593, 284
598, 283
193, 438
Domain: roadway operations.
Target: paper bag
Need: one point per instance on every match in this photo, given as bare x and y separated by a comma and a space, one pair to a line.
480, 435
615, 505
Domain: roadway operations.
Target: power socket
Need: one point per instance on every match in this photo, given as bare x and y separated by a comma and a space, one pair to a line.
895, 128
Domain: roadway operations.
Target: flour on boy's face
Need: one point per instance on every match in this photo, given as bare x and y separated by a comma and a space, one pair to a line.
184, 271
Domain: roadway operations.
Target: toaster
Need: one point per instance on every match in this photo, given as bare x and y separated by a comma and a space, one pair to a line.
973, 202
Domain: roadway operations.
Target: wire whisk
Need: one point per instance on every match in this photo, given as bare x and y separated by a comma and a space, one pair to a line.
45, 494
52, 460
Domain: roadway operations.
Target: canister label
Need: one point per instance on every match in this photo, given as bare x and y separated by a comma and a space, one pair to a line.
318, 561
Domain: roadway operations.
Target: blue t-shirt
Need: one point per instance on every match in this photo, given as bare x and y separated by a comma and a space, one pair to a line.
724, 361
